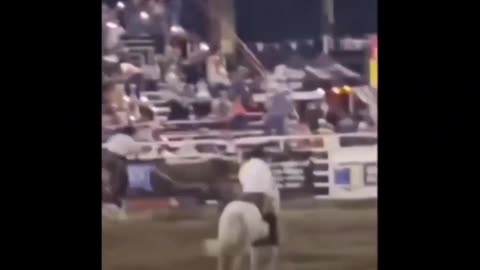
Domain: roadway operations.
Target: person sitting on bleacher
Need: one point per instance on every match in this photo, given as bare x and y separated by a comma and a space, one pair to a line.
324, 127
346, 125
222, 106
238, 114
114, 104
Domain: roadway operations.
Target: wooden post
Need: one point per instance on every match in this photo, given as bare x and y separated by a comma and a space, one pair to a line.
328, 25
222, 25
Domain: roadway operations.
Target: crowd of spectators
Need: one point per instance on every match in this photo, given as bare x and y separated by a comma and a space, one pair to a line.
200, 84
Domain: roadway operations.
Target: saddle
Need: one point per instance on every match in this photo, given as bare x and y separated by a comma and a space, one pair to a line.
260, 200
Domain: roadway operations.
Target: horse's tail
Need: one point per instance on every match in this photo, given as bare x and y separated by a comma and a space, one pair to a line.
229, 238
231, 234
232, 231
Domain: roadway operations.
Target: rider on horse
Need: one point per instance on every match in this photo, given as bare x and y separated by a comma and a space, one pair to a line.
259, 187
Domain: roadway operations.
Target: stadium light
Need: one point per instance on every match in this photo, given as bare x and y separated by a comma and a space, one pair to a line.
143, 99
144, 15
321, 92
336, 90
120, 5
111, 25
347, 89
111, 58
204, 47
177, 29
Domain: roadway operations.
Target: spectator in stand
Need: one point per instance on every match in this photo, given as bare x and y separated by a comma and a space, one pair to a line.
333, 115
312, 114
364, 115
239, 87
171, 59
135, 25
145, 123
158, 24
346, 124
113, 33
217, 74
203, 92
324, 127
178, 110
238, 114
365, 127
111, 67
133, 75
115, 69
222, 106
173, 78
115, 103
280, 107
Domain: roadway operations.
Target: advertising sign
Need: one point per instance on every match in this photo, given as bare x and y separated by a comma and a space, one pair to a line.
139, 176
342, 176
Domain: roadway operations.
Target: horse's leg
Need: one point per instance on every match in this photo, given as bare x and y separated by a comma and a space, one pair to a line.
224, 261
229, 261
264, 258
258, 259
273, 258
237, 261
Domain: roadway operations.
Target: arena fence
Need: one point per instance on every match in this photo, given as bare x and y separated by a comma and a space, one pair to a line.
315, 166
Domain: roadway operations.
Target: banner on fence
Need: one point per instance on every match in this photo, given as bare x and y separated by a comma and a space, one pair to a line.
139, 176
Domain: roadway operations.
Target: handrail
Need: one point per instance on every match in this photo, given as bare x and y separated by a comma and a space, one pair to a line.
330, 141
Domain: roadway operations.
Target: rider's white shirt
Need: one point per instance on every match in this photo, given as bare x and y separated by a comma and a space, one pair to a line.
122, 145
255, 176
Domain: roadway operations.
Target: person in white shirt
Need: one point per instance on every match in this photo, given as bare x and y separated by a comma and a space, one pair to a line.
260, 188
114, 160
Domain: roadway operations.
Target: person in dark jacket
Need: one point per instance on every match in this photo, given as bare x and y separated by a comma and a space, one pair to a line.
279, 108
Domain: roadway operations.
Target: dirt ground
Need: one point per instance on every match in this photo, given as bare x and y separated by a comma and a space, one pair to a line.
324, 237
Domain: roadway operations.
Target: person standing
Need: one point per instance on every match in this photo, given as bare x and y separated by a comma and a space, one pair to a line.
222, 106
280, 107
260, 188
158, 26
114, 161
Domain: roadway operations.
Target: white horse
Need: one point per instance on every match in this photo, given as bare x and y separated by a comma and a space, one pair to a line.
239, 226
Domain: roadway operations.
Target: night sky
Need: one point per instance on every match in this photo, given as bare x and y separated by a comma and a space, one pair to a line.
278, 20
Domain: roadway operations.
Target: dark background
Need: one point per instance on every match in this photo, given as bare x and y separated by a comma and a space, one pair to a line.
278, 20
